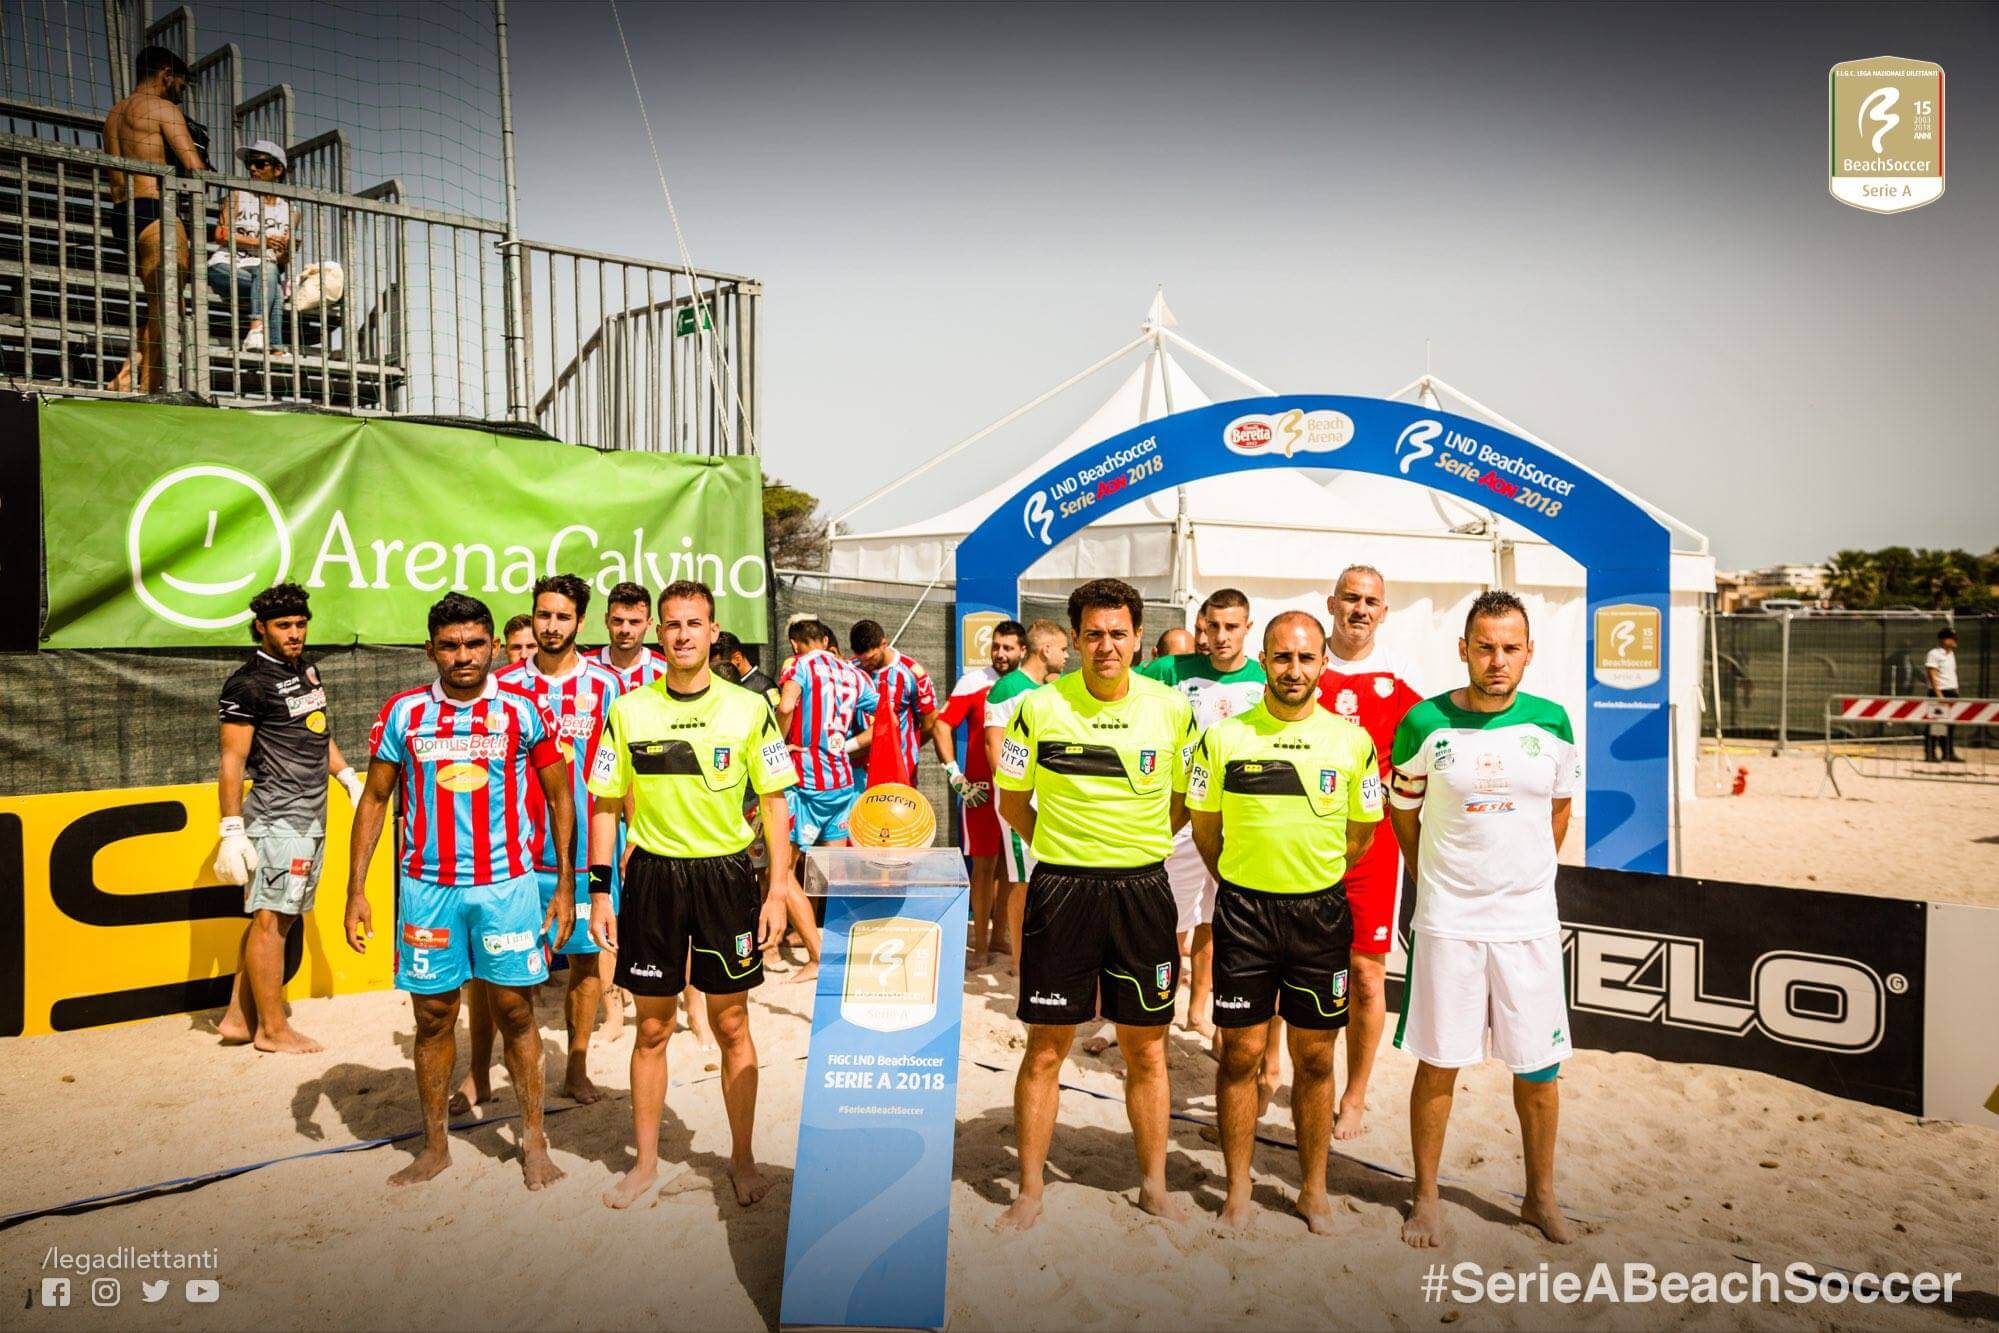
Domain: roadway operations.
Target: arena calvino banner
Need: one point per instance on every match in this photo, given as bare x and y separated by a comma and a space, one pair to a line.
159, 523
110, 911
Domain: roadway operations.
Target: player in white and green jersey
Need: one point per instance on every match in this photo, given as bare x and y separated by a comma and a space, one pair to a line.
1047, 654
1225, 681
1281, 798
1479, 798
1102, 752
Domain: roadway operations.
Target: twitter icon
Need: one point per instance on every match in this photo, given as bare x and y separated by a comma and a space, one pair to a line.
153, 1291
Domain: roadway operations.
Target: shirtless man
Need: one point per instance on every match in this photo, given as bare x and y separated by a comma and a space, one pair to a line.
149, 126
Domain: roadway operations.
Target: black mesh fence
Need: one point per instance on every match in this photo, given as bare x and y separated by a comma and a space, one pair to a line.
84, 721
1769, 689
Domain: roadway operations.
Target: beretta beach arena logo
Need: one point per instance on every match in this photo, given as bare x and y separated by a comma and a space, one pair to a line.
1884, 133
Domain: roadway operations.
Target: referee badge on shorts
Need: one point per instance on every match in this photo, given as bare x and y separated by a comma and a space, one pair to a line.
1340, 984
743, 945
1162, 977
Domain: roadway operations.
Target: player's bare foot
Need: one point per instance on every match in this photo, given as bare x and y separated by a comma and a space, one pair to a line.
234, 1029
809, 972
750, 1184
1317, 1210
538, 1170
288, 1042
576, 1084
1153, 1198
473, 1091
1546, 1217
631, 1186
1424, 1229
1350, 1121
1236, 1213
1024, 1213
427, 1164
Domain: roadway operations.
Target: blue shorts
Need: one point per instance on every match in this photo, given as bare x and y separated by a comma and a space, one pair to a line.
819, 816
579, 938
450, 934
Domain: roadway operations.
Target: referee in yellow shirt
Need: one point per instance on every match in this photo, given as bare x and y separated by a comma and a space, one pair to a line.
683, 748
1091, 771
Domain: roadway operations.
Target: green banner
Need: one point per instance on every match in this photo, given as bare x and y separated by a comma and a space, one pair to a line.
160, 523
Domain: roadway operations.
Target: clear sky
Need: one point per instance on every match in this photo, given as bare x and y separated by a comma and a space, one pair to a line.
1611, 222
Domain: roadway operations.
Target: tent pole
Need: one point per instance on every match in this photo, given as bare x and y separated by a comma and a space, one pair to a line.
1183, 592
833, 527
1221, 365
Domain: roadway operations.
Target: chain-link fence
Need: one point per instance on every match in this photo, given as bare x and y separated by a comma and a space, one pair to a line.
1772, 674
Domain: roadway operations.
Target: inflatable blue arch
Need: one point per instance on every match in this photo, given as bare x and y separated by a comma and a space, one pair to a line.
1624, 550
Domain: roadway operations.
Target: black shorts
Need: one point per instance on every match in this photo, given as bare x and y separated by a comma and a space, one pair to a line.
1281, 955
705, 906
1088, 930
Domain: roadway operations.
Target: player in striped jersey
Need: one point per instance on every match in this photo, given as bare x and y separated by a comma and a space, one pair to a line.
628, 620
908, 693
818, 695
457, 756
578, 694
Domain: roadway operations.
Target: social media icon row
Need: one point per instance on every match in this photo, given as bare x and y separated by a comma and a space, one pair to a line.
107, 1291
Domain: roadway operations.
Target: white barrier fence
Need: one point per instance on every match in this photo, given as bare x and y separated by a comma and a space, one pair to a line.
1911, 736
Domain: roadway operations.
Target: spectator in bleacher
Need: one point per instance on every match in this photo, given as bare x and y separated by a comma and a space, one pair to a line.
262, 228
149, 126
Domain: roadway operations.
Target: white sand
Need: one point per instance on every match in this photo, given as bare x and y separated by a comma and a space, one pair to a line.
1685, 1167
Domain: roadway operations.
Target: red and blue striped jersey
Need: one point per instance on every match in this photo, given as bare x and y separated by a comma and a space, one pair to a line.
830, 691
649, 668
580, 702
464, 780
906, 690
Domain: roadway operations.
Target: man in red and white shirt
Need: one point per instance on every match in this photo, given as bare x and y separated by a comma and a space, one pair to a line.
628, 621
979, 827
1373, 690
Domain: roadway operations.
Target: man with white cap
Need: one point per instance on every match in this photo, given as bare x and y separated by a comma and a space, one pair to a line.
252, 240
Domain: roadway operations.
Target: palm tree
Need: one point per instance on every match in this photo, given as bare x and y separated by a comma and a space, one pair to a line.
1940, 578
1853, 580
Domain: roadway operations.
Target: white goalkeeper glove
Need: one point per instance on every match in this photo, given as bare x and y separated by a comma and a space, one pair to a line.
970, 792
351, 780
236, 861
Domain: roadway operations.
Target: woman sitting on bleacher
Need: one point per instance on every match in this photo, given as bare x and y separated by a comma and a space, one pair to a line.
262, 225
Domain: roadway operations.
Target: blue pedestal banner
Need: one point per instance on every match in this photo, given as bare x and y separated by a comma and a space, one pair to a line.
869, 1238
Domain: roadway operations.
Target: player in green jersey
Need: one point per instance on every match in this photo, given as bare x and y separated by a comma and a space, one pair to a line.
1281, 797
683, 748
1102, 752
1220, 681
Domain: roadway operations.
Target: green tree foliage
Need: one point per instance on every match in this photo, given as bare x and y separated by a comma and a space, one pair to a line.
1929, 579
794, 534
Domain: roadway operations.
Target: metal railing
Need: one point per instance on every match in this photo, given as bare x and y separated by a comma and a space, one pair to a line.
266, 115
626, 353
214, 90
612, 351
1911, 736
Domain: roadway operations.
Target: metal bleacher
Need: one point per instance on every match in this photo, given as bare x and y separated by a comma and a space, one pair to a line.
441, 314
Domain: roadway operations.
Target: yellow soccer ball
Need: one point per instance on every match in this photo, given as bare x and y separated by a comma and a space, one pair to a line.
892, 815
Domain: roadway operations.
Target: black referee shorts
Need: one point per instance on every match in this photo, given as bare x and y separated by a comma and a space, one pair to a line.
682, 919
1281, 955
1089, 930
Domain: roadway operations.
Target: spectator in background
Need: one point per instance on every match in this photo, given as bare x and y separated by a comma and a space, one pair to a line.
148, 126
1940, 680
251, 273
519, 638
730, 652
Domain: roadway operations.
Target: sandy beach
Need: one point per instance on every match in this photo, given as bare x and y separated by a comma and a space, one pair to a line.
1690, 1168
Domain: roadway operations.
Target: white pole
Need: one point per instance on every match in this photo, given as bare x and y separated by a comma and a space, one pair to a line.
975, 437
1183, 591
1221, 365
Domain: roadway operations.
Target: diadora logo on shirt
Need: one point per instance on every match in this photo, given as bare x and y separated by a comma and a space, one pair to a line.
1109, 724
694, 725
1290, 745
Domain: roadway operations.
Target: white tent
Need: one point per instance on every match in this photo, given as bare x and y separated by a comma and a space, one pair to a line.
1283, 544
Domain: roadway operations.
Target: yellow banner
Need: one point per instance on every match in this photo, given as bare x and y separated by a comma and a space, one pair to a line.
111, 911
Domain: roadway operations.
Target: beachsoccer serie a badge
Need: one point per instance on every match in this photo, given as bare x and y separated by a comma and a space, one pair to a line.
1884, 133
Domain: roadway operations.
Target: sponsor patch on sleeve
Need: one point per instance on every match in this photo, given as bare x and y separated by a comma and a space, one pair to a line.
776, 759
1370, 790
604, 765
1013, 758
1197, 782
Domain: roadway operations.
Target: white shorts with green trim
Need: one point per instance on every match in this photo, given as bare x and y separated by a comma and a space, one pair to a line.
1464, 998
1194, 889
1016, 861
